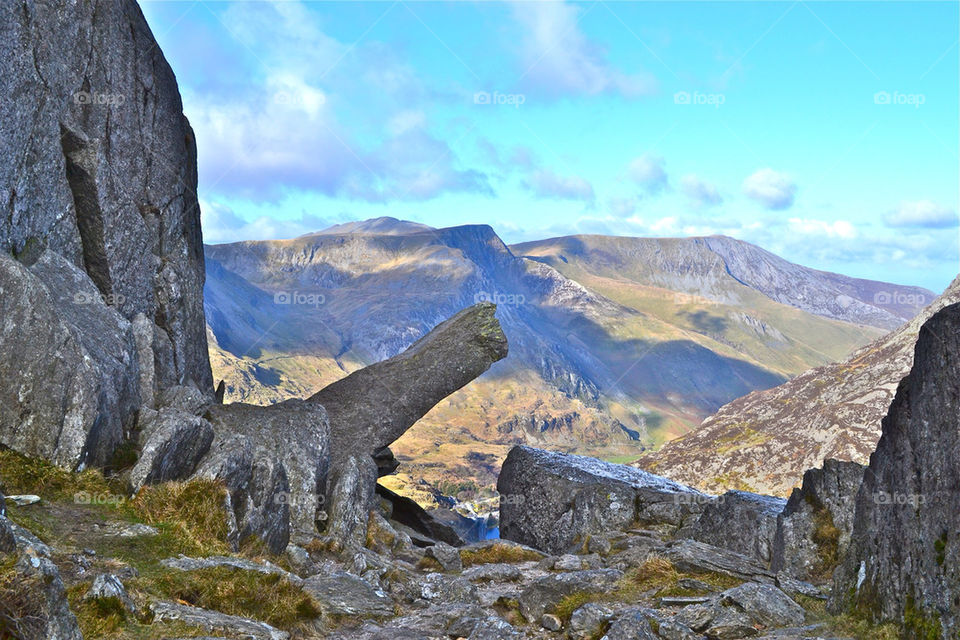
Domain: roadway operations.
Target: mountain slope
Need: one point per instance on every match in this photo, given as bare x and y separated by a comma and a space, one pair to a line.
766, 439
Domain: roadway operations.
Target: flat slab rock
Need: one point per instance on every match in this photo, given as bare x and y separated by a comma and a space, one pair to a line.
216, 621
552, 500
346, 594
186, 563
690, 555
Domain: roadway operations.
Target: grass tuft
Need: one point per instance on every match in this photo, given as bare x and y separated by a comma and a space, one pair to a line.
266, 597
497, 553
194, 511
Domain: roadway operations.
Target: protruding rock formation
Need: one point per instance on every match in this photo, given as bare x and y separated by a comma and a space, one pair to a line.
813, 532
552, 501
372, 407
904, 557
102, 301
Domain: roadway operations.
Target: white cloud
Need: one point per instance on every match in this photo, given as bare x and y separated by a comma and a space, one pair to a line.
221, 224
558, 58
547, 184
773, 189
622, 207
836, 229
922, 213
648, 171
702, 193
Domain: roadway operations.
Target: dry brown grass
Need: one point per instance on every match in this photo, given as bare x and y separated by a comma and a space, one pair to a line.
497, 553
270, 598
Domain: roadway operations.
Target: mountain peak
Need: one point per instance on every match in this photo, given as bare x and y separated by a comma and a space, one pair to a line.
382, 226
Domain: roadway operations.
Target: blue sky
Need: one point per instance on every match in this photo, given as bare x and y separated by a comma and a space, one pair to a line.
824, 132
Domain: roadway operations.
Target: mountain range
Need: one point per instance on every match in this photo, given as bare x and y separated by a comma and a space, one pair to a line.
616, 344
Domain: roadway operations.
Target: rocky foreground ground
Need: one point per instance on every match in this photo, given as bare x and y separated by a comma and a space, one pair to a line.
160, 566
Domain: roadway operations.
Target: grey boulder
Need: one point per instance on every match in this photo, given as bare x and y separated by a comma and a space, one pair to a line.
545, 593
741, 521
551, 500
173, 444
765, 604
273, 461
372, 407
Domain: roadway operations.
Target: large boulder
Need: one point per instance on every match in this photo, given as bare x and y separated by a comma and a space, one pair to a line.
813, 532
98, 205
273, 461
172, 444
740, 521
905, 548
372, 407
69, 391
551, 500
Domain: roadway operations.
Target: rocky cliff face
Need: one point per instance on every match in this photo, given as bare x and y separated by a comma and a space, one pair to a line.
765, 440
904, 550
99, 226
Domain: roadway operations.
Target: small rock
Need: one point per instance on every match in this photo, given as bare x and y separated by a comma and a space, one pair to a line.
691, 555
499, 572
442, 588
494, 628
185, 563
730, 624
587, 619
672, 630
692, 584
599, 544
568, 562
633, 625
446, 555
765, 604
697, 616
550, 622
300, 560
683, 601
798, 587
24, 500
124, 530
107, 585
89, 552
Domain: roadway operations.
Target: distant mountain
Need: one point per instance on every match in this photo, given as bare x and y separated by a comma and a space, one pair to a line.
603, 359
720, 269
385, 226
765, 440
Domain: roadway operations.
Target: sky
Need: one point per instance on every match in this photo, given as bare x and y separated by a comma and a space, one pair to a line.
825, 132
